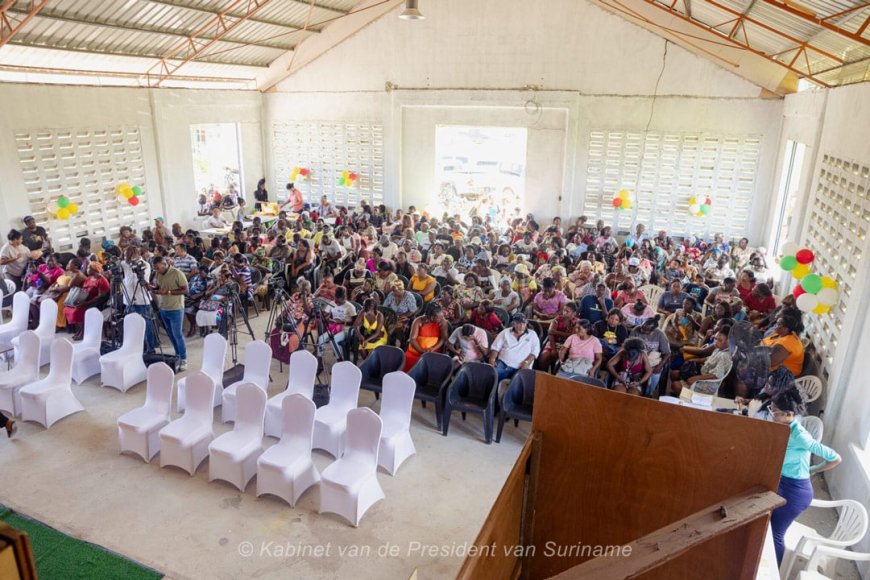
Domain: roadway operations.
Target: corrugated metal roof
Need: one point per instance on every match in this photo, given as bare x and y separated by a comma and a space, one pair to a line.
137, 33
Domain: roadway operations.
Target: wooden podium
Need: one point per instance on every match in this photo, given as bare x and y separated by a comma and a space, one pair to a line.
616, 486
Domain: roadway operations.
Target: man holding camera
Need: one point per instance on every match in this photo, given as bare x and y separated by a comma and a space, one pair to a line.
137, 298
172, 287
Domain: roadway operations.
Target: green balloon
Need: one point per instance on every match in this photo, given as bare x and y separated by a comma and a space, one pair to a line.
812, 283
705, 209
62, 201
788, 263
137, 191
341, 181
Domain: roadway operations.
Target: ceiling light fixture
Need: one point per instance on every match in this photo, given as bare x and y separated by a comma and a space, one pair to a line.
411, 11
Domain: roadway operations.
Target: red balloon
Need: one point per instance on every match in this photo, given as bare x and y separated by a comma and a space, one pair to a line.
304, 172
798, 290
617, 202
708, 201
134, 201
805, 256
353, 176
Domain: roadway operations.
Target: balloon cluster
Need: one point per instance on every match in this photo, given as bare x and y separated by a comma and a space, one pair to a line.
299, 171
816, 294
347, 179
128, 193
699, 209
622, 200
63, 208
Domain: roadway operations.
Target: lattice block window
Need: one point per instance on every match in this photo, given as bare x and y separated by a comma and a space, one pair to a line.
838, 226
664, 170
327, 149
86, 165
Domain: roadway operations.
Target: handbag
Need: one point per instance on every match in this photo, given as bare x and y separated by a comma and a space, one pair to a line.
75, 296
580, 366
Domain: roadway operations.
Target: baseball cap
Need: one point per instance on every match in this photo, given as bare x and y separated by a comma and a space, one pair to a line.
634, 262
519, 317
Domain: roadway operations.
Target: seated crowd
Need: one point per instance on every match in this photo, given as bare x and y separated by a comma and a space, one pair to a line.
647, 314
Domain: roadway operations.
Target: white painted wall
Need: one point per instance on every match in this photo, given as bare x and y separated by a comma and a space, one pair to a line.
163, 117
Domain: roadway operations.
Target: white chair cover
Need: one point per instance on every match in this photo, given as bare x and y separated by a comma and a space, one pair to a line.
302, 372
396, 403
51, 399
86, 354
258, 359
125, 367
349, 486
286, 469
25, 372
139, 429
233, 456
330, 421
18, 323
214, 353
184, 442
45, 330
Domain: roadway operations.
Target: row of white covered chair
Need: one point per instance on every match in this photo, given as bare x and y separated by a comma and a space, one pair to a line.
359, 439
44, 401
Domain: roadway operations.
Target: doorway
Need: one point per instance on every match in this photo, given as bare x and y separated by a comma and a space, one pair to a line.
785, 228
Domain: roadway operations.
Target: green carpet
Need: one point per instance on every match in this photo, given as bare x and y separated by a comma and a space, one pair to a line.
63, 557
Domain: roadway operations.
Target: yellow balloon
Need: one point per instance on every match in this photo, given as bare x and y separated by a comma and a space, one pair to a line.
127, 193
345, 174
623, 194
63, 213
73, 208
800, 271
821, 309
123, 186
626, 204
693, 200
828, 282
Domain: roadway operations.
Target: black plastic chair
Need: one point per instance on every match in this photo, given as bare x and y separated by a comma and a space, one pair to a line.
432, 375
382, 361
503, 316
473, 391
517, 400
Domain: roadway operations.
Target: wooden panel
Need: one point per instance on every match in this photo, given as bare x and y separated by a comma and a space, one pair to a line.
615, 467
502, 528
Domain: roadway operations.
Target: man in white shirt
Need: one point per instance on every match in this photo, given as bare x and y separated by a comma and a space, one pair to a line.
340, 315
468, 343
330, 250
216, 220
388, 248
514, 348
137, 296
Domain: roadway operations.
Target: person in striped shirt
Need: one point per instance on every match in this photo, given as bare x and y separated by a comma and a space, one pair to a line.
183, 261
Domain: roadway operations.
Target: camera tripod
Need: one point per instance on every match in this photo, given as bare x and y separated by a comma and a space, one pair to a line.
119, 301
229, 329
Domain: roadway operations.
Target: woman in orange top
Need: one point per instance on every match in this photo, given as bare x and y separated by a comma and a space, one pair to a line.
422, 283
785, 343
428, 334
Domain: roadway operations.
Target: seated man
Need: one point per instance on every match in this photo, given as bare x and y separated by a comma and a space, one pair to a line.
216, 221
514, 348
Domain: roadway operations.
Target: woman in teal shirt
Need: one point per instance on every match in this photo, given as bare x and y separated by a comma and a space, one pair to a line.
794, 484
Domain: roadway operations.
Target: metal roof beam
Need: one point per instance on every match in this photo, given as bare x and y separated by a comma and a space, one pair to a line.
821, 22
271, 22
847, 11
193, 47
9, 29
105, 23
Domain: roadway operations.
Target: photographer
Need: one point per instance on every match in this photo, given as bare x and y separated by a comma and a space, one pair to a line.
172, 287
137, 298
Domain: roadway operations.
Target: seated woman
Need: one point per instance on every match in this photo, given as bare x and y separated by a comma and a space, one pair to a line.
94, 289
626, 293
484, 317
505, 298
469, 293
197, 284
428, 334
451, 308
658, 350
560, 328
722, 310
369, 328
630, 368
712, 368
638, 313
72, 277
384, 277
611, 332
547, 303
365, 292
758, 407
327, 287
216, 299
404, 305
422, 283
301, 261
786, 346
683, 325
760, 303
523, 284
581, 353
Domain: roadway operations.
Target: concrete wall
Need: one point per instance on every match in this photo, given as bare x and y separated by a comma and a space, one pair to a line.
163, 117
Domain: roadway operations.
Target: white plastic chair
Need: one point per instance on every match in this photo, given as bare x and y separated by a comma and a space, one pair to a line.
18, 323
258, 359
330, 421
301, 374
349, 486
214, 353
396, 404
139, 429
825, 558
86, 354
25, 371
810, 386
652, 293
814, 425
51, 399
184, 442
124, 368
45, 330
286, 470
233, 456
801, 540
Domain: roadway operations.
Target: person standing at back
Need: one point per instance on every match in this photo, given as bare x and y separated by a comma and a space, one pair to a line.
171, 288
